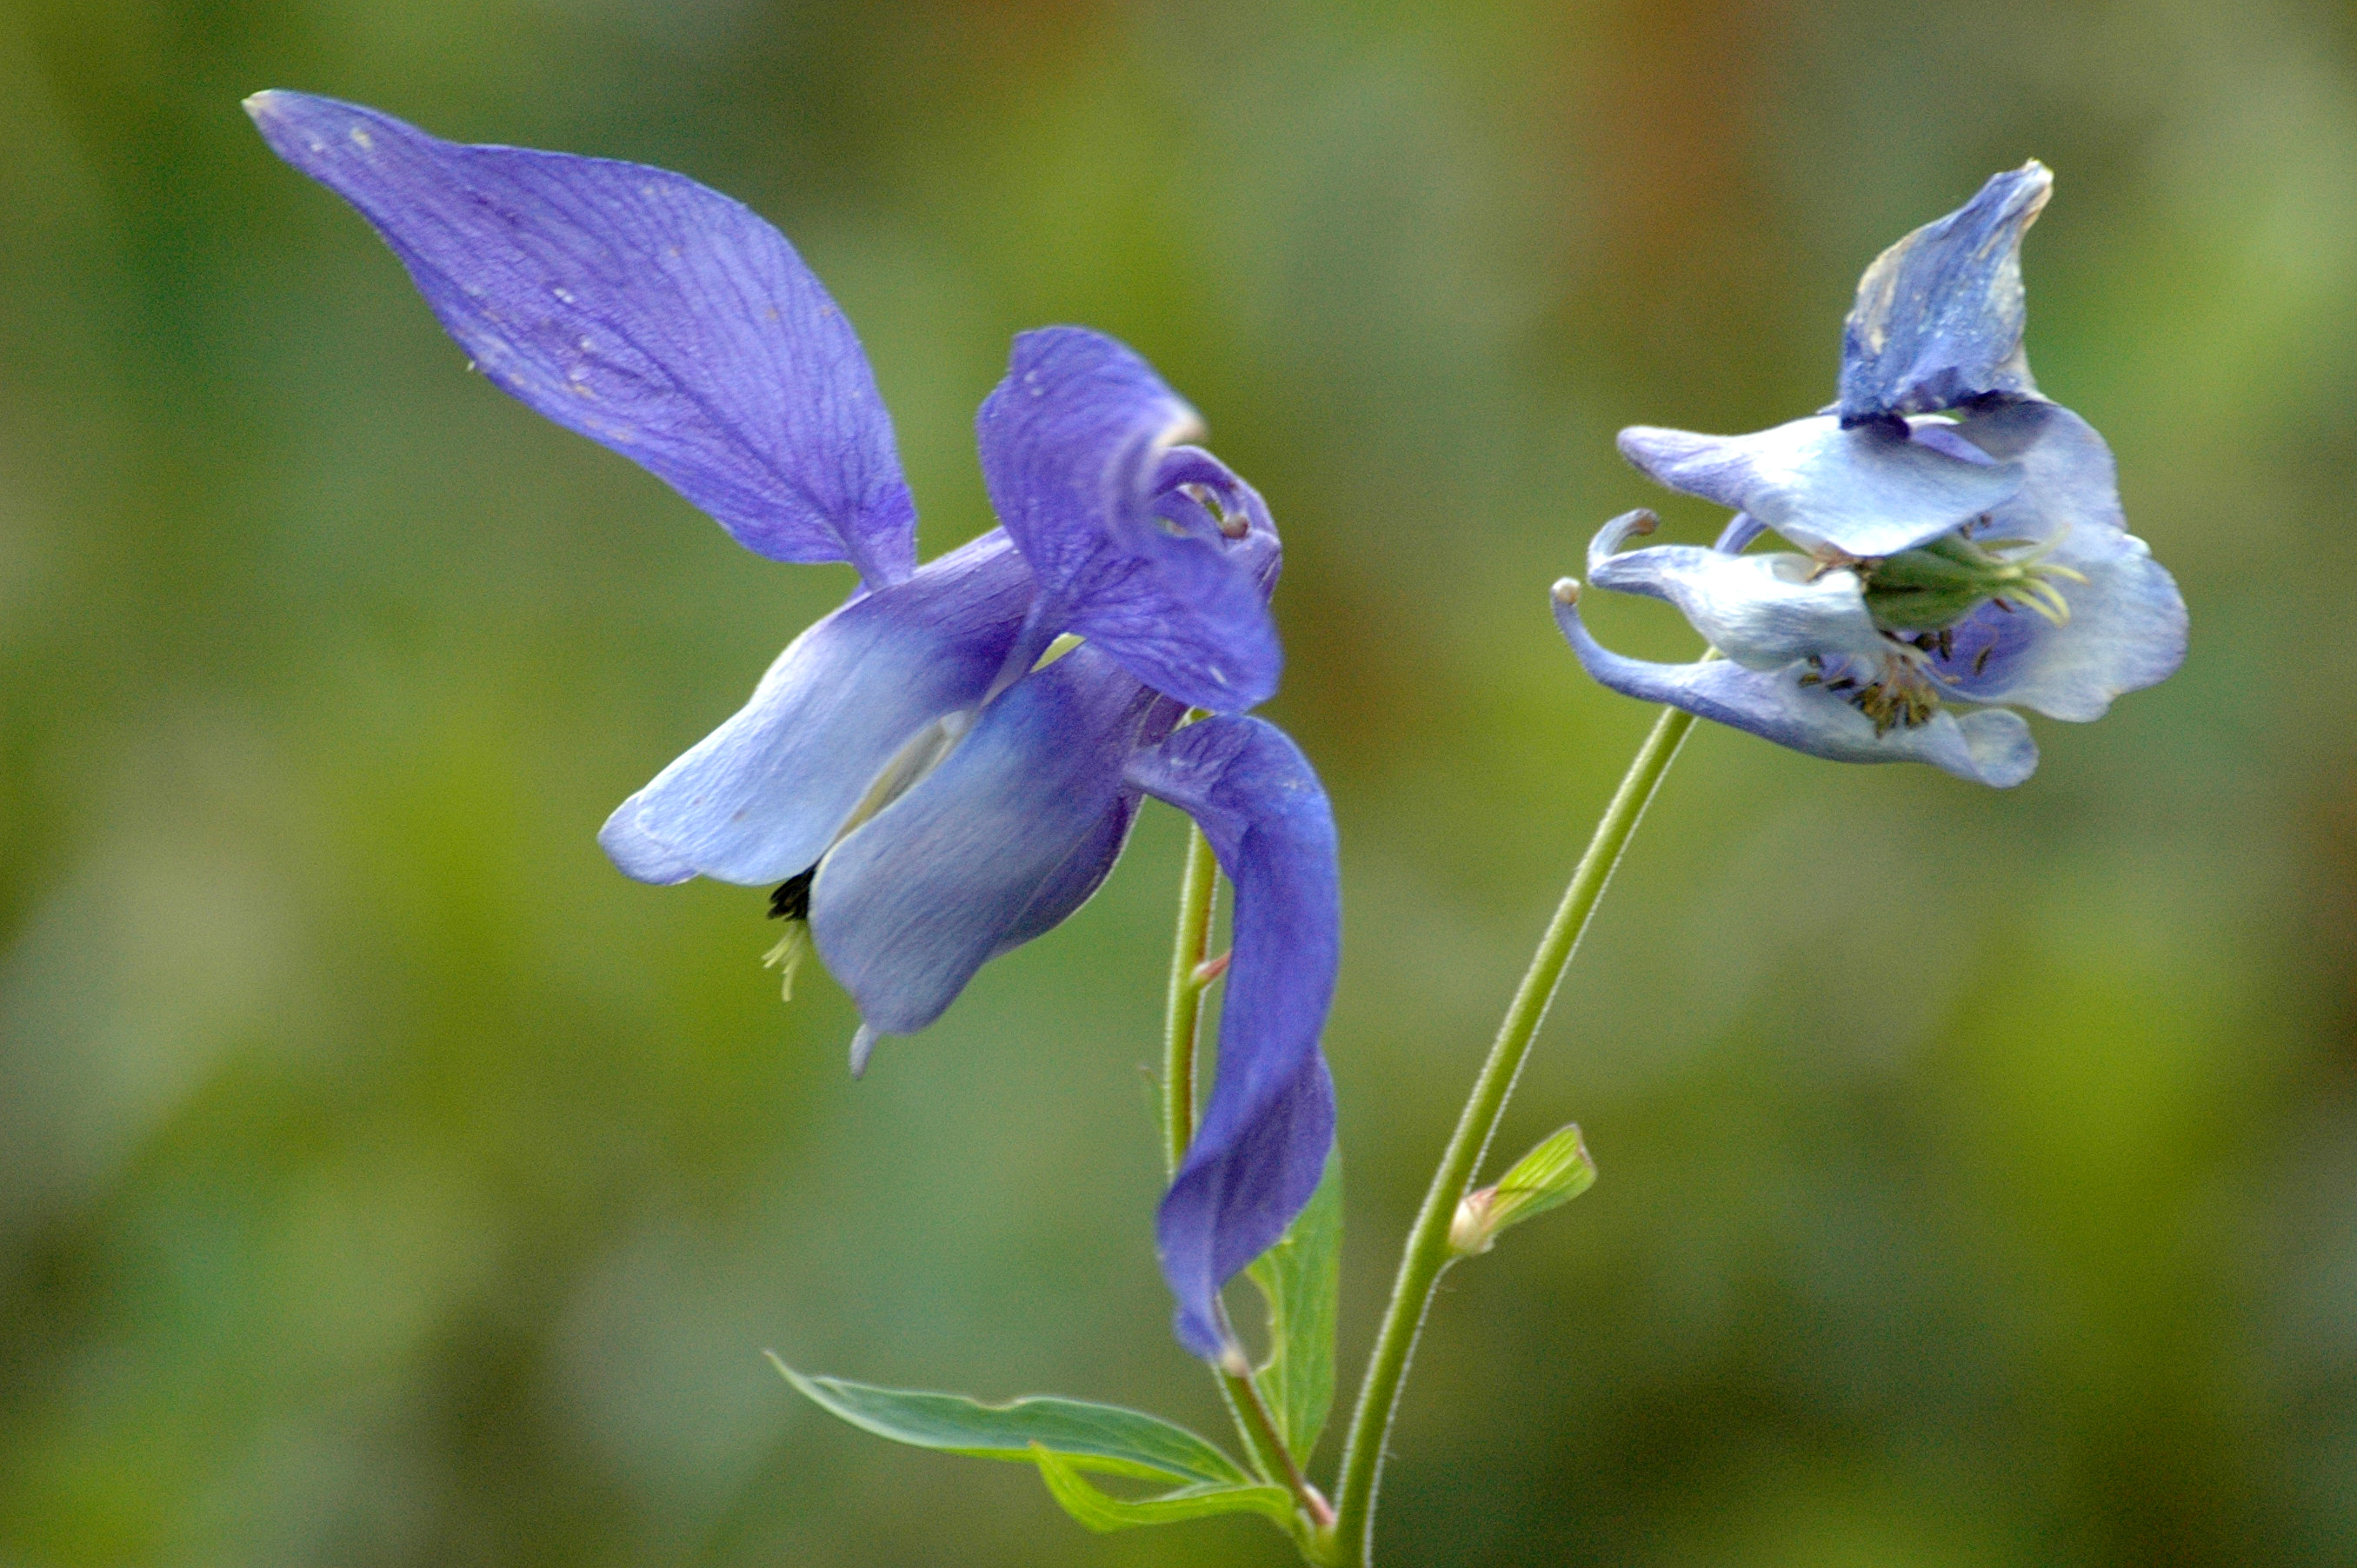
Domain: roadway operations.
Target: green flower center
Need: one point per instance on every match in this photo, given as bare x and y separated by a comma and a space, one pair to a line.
1939, 583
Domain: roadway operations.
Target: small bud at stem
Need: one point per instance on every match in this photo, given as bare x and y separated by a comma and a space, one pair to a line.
1556, 1172
1469, 1232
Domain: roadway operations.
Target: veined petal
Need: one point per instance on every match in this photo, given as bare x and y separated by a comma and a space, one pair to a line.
1939, 315
1084, 870
1867, 491
1270, 1121
2127, 624
640, 309
1079, 446
762, 797
1990, 745
1761, 611
1076, 881
915, 900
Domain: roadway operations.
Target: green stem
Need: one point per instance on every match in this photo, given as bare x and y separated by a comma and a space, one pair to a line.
1181, 1015
1427, 1252
1276, 1460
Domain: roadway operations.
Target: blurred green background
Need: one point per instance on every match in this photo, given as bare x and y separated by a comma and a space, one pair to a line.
386, 1180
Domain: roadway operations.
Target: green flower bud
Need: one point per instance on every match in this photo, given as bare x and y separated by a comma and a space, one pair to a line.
1558, 1170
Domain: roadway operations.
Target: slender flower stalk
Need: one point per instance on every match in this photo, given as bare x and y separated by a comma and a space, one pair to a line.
1275, 1460
1182, 1013
1427, 1253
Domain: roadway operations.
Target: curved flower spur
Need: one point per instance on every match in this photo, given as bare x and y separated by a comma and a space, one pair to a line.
1959, 537
948, 765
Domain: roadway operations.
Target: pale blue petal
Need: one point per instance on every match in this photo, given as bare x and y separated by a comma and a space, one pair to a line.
1269, 1124
1761, 611
1939, 315
762, 797
2127, 625
640, 309
1990, 745
1737, 536
638, 855
1079, 446
917, 899
1867, 492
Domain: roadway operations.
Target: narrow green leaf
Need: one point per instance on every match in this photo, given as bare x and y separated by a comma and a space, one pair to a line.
1086, 1436
1101, 1512
1301, 1279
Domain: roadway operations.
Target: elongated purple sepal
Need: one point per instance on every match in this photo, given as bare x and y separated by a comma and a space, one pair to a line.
1270, 1121
643, 310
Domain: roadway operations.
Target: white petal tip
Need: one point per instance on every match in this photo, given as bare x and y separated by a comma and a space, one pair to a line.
1566, 590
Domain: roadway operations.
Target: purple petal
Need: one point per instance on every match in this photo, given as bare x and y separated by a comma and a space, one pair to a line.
1939, 315
1867, 492
1011, 826
1076, 881
1270, 1121
1084, 870
1079, 450
640, 309
1991, 746
2127, 625
762, 797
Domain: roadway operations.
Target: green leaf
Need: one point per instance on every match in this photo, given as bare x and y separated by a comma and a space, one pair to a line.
1085, 1435
1101, 1512
1301, 1279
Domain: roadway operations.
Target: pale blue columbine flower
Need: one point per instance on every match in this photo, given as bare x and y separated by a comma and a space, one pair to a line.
1959, 538
947, 766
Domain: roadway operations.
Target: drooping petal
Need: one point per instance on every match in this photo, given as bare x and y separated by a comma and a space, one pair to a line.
1761, 611
1076, 443
1270, 1120
2127, 624
1939, 315
918, 899
1989, 746
1864, 492
762, 797
640, 309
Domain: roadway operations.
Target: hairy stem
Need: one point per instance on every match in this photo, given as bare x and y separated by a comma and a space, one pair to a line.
1428, 1254
1183, 1012
1276, 1460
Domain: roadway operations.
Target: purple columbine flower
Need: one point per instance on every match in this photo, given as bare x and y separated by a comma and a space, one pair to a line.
1960, 540
948, 765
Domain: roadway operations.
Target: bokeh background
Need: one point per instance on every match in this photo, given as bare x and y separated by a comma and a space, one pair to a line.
386, 1180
